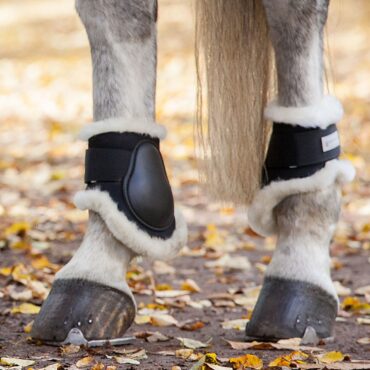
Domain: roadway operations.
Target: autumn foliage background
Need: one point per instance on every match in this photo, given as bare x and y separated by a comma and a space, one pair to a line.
45, 99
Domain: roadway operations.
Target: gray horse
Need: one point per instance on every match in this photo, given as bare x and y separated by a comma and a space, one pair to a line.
289, 177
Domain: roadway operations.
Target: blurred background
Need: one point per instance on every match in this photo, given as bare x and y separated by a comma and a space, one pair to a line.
45, 99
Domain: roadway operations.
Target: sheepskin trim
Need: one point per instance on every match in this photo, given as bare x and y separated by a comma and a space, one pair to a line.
127, 231
326, 112
120, 124
260, 212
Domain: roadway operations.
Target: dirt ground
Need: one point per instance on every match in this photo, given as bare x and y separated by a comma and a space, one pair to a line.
45, 98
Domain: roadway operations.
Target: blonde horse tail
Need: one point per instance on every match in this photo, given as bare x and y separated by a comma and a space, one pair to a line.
233, 56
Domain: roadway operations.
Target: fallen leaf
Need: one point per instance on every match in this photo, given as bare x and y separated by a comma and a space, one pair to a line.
162, 268
188, 354
286, 344
69, 349
341, 289
363, 320
157, 337
126, 360
163, 320
331, 357
192, 343
365, 340
170, 293
56, 366
85, 362
142, 319
190, 285
18, 228
238, 324
230, 262
10, 361
27, 328
192, 326
293, 358
218, 367
26, 308
98, 366
246, 361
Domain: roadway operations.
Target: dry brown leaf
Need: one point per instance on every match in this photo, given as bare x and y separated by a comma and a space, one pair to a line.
238, 324
69, 349
230, 262
193, 344
363, 320
85, 362
192, 326
163, 320
365, 340
288, 345
12, 361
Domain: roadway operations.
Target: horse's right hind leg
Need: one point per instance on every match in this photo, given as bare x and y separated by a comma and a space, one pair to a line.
128, 194
300, 201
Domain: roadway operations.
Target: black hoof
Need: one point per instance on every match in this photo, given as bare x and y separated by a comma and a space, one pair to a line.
286, 308
97, 311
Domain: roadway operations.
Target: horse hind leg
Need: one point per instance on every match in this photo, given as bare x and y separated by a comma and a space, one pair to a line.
90, 299
300, 201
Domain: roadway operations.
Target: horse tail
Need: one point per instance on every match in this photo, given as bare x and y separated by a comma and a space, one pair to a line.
233, 57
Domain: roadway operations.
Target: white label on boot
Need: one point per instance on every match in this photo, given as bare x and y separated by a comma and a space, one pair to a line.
330, 142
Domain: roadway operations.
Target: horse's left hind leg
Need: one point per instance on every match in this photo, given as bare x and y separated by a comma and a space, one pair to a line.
300, 201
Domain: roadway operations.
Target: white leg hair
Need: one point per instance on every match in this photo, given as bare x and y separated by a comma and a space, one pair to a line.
305, 218
122, 36
100, 258
306, 223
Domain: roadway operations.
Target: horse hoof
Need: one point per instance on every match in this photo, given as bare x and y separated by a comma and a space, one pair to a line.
286, 308
78, 311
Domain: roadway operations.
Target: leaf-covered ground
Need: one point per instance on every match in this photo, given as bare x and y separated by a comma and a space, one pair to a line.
193, 310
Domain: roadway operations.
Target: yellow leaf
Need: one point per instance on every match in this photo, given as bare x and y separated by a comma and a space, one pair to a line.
18, 228
248, 360
6, 271
296, 357
26, 308
212, 236
331, 357
354, 304
211, 358
85, 362
20, 274
162, 287
41, 262
142, 319
190, 285
27, 328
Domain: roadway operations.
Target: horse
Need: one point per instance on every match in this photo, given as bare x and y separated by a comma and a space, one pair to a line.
277, 155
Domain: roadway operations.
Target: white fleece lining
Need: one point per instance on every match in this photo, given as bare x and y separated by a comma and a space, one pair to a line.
120, 124
326, 112
127, 232
260, 212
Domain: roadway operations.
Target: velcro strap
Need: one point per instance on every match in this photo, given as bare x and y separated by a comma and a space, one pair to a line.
294, 146
106, 165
